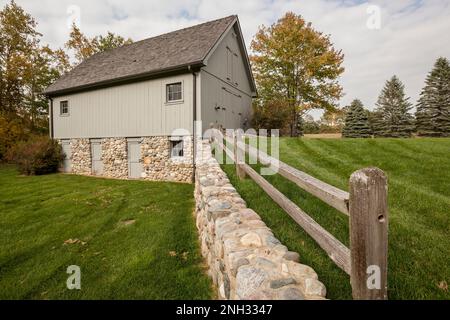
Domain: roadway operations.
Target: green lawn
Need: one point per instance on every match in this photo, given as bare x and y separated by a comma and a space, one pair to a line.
419, 203
156, 257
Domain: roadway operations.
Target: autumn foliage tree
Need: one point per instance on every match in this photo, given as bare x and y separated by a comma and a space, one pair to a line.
28, 67
84, 47
297, 66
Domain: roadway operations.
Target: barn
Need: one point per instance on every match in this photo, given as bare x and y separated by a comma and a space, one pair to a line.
132, 112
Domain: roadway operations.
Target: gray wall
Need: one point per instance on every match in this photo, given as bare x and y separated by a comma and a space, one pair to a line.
232, 95
132, 110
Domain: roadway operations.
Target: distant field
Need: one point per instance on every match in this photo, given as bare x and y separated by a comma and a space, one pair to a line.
131, 239
419, 203
324, 136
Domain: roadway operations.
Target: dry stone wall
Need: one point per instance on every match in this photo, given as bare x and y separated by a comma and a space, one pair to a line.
246, 261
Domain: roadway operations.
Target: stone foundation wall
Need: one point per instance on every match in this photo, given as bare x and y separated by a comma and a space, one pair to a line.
81, 156
159, 166
115, 158
155, 157
246, 261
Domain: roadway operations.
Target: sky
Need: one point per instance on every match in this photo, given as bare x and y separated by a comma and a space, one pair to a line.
379, 38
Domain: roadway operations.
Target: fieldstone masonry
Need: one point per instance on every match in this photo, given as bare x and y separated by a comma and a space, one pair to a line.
81, 156
115, 158
246, 261
159, 166
155, 158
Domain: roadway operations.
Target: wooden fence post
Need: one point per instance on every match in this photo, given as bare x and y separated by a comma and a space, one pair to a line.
368, 234
239, 155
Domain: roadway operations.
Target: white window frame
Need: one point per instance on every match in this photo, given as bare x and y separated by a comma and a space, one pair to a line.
61, 107
167, 85
176, 145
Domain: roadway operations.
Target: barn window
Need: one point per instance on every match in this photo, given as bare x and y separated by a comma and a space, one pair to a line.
64, 108
174, 92
176, 149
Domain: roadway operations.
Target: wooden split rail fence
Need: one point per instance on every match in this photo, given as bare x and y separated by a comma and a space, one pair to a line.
366, 205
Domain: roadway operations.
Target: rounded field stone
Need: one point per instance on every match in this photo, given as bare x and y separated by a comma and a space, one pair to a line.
292, 256
276, 284
291, 294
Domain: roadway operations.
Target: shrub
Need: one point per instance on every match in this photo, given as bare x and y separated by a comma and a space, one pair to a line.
37, 156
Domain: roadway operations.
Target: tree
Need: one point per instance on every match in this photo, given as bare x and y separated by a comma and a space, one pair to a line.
392, 118
356, 121
111, 41
269, 116
433, 109
80, 44
296, 65
43, 68
332, 121
85, 47
26, 69
18, 40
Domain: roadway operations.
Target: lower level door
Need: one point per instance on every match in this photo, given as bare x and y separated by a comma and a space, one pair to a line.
97, 163
134, 159
67, 151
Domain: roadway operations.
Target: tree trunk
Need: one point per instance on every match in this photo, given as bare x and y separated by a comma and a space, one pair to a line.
294, 131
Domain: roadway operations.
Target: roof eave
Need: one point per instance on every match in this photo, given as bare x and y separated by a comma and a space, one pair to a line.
189, 67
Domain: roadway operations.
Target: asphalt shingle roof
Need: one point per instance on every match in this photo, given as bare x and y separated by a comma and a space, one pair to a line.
166, 52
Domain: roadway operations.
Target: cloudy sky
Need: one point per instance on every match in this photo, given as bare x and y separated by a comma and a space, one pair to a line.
379, 38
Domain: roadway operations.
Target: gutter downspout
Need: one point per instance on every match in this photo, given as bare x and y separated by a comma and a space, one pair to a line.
52, 135
194, 122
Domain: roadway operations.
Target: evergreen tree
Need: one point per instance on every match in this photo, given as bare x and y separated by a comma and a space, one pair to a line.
392, 117
356, 121
433, 109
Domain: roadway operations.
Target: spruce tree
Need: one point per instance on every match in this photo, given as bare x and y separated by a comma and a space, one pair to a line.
356, 121
433, 109
392, 116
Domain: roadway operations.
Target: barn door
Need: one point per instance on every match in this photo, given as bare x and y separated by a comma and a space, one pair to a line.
134, 159
67, 151
97, 163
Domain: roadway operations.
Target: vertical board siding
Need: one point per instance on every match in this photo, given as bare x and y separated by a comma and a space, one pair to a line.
214, 79
131, 110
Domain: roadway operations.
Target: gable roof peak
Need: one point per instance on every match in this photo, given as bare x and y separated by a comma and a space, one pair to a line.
163, 53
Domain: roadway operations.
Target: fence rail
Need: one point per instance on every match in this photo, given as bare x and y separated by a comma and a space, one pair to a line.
366, 205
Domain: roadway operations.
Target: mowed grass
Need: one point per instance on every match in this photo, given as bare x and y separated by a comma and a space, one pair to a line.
419, 204
156, 257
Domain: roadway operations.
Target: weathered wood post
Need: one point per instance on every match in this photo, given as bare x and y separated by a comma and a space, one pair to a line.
239, 154
369, 234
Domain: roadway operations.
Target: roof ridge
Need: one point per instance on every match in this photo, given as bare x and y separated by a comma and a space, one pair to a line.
162, 34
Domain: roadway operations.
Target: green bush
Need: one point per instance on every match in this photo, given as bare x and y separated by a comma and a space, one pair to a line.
37, 156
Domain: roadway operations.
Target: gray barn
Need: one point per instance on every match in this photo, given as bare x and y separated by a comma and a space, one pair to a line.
129, 112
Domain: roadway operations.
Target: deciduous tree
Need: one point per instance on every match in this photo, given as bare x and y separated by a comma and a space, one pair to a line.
296, 65
84, 47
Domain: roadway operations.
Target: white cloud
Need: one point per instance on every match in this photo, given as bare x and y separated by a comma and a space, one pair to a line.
413, 33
